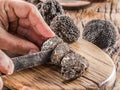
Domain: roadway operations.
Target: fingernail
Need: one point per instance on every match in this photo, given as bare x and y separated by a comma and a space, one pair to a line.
10, 67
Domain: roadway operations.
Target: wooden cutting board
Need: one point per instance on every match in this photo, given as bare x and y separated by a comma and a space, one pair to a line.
100, 75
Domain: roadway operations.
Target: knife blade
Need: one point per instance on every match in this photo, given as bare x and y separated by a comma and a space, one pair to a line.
31, 60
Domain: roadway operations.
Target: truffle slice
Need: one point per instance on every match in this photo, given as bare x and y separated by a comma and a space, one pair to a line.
50, 9
100, 32
65, 28
51, 43
73, 66
59, 52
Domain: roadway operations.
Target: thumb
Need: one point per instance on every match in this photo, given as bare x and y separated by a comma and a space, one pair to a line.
15, 44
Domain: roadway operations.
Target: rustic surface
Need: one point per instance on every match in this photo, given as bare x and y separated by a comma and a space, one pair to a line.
100, 69
101, 73
106, 11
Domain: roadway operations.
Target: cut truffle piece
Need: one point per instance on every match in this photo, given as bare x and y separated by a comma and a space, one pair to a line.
50, 9
73, 66
100, 32
64, 27
51, 43
59, 52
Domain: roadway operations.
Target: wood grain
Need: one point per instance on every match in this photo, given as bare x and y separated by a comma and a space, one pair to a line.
101, 73
110, 11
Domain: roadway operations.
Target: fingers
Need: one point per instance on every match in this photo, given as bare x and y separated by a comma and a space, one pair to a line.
30, 34
15, 44
1, 84
24, 10
6, 64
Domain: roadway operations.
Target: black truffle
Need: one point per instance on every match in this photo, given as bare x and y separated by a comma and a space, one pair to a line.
51, 43
50, 9
100, 32
65, 28
59, 52
73, 66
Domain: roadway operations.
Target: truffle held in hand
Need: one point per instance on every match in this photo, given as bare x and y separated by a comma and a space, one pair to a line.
50, 9
64, 27
73, 66
51, 43
100, 32
59, 52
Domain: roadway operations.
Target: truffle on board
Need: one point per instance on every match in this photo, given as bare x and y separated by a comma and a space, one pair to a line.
73, 66
59, 52
50, 9
100, 32
64, 27
51, 43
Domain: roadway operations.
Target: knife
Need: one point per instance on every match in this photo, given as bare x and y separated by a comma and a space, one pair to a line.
31, 60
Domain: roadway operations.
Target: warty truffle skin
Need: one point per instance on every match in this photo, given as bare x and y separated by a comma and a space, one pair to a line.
51, 43
59, 52
50, 9
100, 32
73, 66
64, 27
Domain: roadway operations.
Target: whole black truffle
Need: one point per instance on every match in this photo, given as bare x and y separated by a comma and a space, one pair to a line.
73, 66
50, 9
65, 28
59, 52
100, 32
51, 43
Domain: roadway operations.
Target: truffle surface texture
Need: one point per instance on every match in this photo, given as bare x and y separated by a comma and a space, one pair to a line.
64, 27
59, 52
100, 32
50, 9
51, 43
73, 66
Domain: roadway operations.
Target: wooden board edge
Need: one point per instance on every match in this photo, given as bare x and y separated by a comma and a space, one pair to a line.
109, 83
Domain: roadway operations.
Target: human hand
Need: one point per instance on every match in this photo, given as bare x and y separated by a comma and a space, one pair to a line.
20, 19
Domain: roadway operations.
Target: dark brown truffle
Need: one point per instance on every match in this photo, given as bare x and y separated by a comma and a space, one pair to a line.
51, 43
59, 52
73, 65
50, 9
65, 28
100, 32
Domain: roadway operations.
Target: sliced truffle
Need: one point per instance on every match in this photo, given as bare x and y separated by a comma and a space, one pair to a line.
100, 32
73, 65
50, 9
65, 28
51, 43
59, 52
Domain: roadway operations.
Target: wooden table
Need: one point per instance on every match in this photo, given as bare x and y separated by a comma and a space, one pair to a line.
107, 11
